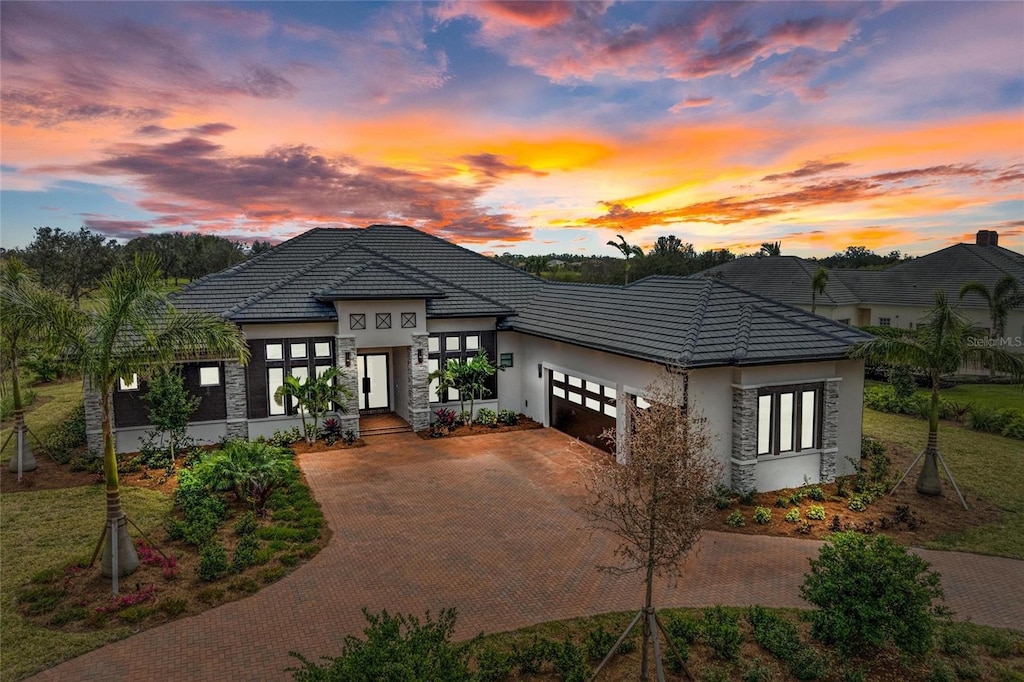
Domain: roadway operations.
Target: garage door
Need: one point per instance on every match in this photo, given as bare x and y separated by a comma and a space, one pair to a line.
583, 409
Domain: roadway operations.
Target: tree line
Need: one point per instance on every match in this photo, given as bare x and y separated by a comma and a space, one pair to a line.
73, 263
672, 256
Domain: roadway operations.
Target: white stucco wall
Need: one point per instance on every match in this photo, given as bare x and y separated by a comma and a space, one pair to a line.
711, 392
288, 331
373, 337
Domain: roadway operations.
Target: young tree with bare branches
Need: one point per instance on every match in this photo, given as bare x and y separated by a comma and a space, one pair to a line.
657, 501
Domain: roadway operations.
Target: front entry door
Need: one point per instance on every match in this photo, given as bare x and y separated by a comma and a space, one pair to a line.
373, 381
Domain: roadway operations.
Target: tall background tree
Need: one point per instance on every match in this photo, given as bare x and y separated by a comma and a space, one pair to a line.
770, 249
940, 345
627, 250
72, 263
657, 501
133, 329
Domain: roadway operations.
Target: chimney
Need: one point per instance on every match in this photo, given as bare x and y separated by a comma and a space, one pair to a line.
987, 238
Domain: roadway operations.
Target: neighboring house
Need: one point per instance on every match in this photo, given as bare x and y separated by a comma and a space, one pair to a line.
390, 304
900, 296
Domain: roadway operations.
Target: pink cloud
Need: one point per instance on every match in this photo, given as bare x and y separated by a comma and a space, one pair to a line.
192, 182
691, 103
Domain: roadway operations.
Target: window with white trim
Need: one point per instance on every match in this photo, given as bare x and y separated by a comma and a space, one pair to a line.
132, 384
275, 380
209, 376
789, 419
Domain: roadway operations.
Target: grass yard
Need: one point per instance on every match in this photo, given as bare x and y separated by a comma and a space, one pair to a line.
55, 402
46, 529
989, 465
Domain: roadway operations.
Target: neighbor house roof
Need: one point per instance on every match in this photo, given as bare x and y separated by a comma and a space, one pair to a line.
695, 322
783, 278
913, 282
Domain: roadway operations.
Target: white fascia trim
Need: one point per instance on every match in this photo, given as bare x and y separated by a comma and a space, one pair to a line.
794, 382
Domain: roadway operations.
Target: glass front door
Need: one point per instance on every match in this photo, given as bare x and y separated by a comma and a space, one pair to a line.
373, 381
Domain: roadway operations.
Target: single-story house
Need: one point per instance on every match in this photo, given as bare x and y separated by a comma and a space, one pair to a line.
390, 304
900, 296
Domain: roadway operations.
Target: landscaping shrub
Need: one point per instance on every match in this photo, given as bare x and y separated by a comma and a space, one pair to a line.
251, 470
953, 642
793, 516
70, 615
598, 642
722, 633
172, 606
492, 664
66, 436
202, 511
395, 647
858, 503
508, 417
332, 431
213, 561
349, 437
781, 502
816, 512
941, 672
808, 664
530, 657
757, 671
762, 515
683, 629
723, 497
735, 519
486, 417
446, 419
902, 381
570, 662
871, 592
246, 552
747, 498
246, 524
836, 524
797, 497
816, 493
465, 417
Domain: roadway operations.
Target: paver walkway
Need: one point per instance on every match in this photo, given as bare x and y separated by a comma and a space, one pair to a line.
488, 525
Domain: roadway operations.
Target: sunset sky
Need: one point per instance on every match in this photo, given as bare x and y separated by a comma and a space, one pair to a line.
528, 127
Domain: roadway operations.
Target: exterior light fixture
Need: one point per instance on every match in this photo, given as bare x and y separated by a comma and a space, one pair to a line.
348, 359
540, 371
419, 356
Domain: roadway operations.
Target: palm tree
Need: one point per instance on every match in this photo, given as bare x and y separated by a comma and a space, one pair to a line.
1004, 297
314, 394
133, 329
771, 249
818, 284
940, 345
628, 251
16, 332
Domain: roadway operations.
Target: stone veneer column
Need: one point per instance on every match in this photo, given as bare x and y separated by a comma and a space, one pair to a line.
236, 400
830, 431
349, 377
93, 420
419, 386
743, 465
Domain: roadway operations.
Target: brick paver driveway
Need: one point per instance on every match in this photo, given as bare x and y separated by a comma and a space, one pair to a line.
485, 524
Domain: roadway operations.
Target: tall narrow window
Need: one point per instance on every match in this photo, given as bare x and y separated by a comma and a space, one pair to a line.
786, 422
808, 424
764, 424
275, 380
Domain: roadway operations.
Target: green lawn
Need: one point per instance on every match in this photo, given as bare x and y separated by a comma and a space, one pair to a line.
51, 528
990, 465
44, 415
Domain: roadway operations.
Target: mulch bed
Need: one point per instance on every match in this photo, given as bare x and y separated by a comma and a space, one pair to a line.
935, 516
525, 424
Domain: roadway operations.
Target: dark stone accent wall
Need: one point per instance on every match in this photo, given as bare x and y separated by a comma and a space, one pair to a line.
131, 410
256, 381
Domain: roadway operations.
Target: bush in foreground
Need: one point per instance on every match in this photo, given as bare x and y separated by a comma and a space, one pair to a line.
871, 592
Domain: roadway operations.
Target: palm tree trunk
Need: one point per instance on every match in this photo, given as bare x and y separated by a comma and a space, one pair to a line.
127, 557
28, 461
928, 482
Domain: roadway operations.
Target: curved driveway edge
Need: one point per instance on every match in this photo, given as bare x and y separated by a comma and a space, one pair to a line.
486, 524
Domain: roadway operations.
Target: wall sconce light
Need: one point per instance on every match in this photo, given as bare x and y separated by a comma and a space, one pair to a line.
348, 359
419, 356
540, 371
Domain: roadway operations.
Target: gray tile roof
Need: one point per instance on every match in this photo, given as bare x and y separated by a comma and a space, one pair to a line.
693, 322
697, 322
783, 278
914, 282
